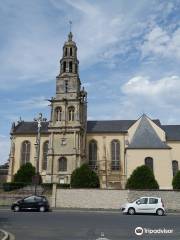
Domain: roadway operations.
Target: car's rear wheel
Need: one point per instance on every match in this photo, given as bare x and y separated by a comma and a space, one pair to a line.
131, 211
160, 212
42, 209
16, 208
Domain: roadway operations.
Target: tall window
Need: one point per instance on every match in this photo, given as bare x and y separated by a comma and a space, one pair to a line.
65, 51
45, 152
175, 167
25, 152
64, 66
115, 155
71, 51
93, 154
70, 67
71, 111
149, 162
62, 164
58, 114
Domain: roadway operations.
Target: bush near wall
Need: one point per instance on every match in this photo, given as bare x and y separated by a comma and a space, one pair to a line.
84, 177
176, 181
25, 173
142, 178
10, 186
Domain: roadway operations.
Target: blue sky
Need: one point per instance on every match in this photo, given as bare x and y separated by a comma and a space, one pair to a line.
129, 54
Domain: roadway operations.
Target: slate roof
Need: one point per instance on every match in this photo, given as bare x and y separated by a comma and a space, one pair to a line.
30, 128
108, 126
172, 132
111, 126
145, 137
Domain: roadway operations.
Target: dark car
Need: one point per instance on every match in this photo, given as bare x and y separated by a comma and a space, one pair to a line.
39, 203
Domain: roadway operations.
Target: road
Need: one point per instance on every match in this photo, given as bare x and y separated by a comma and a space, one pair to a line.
85, 225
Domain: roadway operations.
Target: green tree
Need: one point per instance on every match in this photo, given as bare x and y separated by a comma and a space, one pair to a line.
142, 178
25, 173
176, 181
84, 177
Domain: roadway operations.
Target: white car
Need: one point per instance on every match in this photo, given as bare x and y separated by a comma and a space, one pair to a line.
145, 205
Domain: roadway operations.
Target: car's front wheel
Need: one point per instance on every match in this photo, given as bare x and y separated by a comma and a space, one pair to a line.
160, 212
131, 211
16, 208
42, 209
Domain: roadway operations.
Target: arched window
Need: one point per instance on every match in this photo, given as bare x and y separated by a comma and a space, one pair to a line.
45, 152
93, 154
71, 111
175, 167
115, 155
70, 67
71, 51
62, 164
25, 152
64, 66
58, 114
149, 162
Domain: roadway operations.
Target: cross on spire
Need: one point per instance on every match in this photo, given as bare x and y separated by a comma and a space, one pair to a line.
70, 36
70, 25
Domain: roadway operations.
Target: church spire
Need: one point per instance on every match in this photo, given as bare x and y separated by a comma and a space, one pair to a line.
69, 62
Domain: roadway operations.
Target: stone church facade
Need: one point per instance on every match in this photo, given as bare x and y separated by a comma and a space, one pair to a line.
112, 148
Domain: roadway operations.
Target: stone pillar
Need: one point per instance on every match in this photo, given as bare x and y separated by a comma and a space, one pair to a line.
54, 195
11, 160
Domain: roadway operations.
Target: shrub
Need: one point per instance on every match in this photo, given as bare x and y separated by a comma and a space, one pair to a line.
84, 177
142, 178
176, 181
10, 186
25, 173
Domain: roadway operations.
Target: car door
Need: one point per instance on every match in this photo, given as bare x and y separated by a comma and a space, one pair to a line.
28, 203
142, 205
153, 204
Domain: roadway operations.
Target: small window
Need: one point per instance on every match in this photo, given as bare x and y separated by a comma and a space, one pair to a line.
63, 164
175, 167
64, 66
58, 114
70, 67
65, 51
71, 111
149, 162
71, 51
153, 200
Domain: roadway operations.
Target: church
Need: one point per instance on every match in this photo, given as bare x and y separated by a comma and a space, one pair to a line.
112, 148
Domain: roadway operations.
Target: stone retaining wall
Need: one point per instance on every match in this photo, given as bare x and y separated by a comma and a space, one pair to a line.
109, 199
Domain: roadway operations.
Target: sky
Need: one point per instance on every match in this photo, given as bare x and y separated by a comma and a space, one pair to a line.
129, 53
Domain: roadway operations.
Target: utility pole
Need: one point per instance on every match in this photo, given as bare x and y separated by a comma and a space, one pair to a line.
39, 120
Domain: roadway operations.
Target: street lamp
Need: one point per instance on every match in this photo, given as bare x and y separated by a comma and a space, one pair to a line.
39, 120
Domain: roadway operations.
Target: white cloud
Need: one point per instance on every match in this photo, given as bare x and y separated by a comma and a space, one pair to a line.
162, 43
5, 148
166, 88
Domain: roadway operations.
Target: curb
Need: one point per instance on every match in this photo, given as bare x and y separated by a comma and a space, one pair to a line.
7, 235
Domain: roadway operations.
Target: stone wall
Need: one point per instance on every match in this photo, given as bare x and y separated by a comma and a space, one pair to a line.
109, 199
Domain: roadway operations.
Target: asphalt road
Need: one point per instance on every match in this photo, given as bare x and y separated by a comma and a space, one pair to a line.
81, 225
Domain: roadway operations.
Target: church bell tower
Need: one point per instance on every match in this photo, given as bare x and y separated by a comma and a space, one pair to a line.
67, 126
